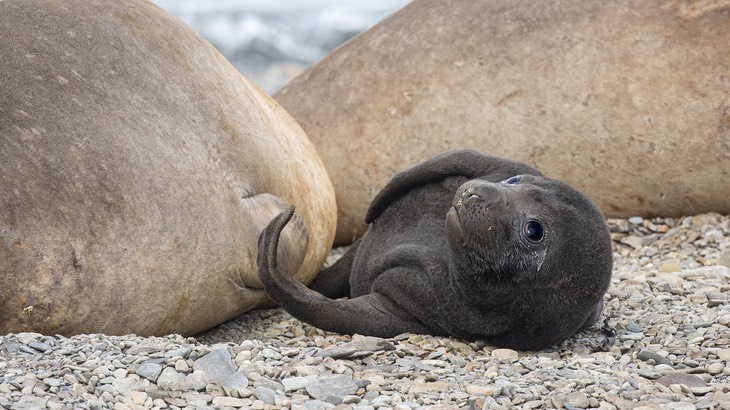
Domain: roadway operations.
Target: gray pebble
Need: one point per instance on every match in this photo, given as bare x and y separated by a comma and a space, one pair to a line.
317, 405
28, 338
636, 220
40, 346
337, 384
633, 328
149, 370
689, 380
371, 344
265, 394
196, 380
297, 383
337, 352
647, 355
381, 401
218, 368
171, 380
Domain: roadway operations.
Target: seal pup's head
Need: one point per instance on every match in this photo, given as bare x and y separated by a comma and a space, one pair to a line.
534, 244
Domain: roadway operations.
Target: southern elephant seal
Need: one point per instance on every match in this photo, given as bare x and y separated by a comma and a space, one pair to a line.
464, 244
627, 101
137, 170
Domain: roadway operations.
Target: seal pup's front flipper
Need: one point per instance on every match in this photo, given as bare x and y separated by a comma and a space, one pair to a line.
468, 163
371, 314
334, 281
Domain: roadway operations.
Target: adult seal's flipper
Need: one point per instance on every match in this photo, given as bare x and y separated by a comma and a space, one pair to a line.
370, 314
468, 163
292, 247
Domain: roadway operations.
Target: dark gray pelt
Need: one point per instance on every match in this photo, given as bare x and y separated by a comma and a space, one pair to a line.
464, 244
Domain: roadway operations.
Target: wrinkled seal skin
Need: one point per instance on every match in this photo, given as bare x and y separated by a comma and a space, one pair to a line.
447, 253
628, 101
137, 170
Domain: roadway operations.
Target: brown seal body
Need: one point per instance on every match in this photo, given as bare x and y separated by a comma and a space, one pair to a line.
137, 169
627, 101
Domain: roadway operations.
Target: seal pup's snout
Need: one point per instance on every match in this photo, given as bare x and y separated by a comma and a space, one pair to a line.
478, 191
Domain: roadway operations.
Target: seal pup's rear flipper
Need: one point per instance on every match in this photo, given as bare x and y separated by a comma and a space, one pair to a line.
334, 281
468, 163
371, 314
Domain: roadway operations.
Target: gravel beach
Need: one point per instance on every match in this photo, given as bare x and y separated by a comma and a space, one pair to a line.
667, 314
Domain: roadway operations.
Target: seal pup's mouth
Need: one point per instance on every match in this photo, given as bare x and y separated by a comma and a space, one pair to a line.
453, 223
475, 196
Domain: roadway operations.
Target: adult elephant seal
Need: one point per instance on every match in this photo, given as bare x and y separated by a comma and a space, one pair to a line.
137, 171
627, 101
464, 244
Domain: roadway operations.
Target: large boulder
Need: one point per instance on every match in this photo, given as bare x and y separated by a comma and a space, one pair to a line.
627, 101
137, 169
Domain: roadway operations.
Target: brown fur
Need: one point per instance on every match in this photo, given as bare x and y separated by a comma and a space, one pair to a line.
627, 101
137, 169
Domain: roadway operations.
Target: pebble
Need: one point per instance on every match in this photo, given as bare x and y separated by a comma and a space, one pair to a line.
150, 371
428, 387
223, 401
689, 380
218, 368
577, 399
170, 379
668, 304
331, 385
504, 354
265, 394
647, 355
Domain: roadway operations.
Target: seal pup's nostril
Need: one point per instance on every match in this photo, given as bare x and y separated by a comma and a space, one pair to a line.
483, 192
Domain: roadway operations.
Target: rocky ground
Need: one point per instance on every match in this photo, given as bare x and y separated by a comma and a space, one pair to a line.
668, 304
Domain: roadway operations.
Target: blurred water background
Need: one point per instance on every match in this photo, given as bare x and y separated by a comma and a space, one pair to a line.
272, 41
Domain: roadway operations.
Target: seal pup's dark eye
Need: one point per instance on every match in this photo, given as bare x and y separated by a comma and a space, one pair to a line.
534, 231
512, 180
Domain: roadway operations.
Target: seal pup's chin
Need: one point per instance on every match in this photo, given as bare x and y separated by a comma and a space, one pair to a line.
467, 259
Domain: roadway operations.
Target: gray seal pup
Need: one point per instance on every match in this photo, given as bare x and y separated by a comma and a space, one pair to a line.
466, 245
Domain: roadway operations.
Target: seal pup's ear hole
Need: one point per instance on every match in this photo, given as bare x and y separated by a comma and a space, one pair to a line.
513, 180
533, 231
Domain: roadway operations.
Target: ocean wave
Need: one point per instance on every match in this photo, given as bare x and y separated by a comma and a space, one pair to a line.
269, 42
